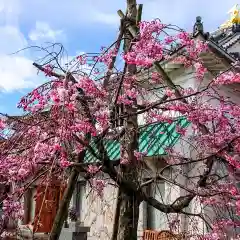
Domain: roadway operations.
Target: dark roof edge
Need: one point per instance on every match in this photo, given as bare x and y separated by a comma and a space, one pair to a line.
216, 49
221, 52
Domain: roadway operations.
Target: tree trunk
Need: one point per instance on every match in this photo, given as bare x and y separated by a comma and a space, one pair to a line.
64, 205
128, 218
129, 204
62, 212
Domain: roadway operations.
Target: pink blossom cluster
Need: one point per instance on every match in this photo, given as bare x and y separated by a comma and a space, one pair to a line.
220, 228
156, 116
17, 168
227, 77
2, 124
130, 93
98, 185
82, 59
93, 169
106, 56
181, 130
48, 70
156, 78
148, 48
91, 88
128, 97
12, 209
140, 155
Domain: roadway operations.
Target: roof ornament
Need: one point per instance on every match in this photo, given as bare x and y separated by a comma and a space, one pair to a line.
234, 17
198, 26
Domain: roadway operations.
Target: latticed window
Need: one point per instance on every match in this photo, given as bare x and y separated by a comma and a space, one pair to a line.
116, 116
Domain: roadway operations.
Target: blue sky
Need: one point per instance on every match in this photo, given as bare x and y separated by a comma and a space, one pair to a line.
81, 26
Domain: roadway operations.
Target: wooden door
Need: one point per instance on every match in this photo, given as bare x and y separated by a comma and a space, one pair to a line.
45, 211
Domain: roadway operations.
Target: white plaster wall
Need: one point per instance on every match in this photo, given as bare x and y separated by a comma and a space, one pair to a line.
183, 77
159, 220
98, 213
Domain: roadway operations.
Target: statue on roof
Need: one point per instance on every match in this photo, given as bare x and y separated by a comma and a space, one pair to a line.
234, 17
198, 26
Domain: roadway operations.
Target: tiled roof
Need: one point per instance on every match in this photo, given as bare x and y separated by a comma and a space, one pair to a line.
230, 41
154, 139
225, 38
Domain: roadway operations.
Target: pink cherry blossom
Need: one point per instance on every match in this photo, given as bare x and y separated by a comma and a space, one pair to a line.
98, 185
93, 169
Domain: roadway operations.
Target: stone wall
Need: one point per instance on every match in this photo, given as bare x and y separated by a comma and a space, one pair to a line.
98, 213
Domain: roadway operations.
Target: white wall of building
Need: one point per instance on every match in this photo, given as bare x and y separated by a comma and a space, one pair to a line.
98, 213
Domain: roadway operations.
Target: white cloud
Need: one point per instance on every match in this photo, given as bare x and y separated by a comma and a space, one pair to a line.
11, 39
16, 70
43, 31
16, 73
